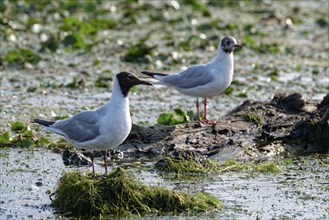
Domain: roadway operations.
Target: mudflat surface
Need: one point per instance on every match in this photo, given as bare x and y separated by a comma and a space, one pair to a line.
285, 52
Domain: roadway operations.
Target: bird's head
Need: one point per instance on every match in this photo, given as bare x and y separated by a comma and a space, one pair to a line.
128, 80
228, 44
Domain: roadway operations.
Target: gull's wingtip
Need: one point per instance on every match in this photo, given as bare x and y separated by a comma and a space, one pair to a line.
43, 122
152, 74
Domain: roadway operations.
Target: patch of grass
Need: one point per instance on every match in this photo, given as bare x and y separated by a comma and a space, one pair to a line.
184, 166
31, 89
249, 41
255, 119
21, 56
228, 90
288, 161
223, 3
76, 83
266, 167
43, 141
251, 29
4, 139
61, 144
177, 117
81, 32
18, 126
61, 117
88, 27
272, 48
103, 81
198, 6
137, 53
96, 62
51, 44
24, 139
251, 117
322, 22
75, 40
118, 194
274, 74
243, 94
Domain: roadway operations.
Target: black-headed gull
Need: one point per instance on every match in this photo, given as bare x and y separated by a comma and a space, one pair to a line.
204, 80
103, 128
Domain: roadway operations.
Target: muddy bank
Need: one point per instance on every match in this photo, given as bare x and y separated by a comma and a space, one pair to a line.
286, 124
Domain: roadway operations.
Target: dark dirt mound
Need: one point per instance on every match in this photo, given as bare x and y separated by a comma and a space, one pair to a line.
287, 123
258, 130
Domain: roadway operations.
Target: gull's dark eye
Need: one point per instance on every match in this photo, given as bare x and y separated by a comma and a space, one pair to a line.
130, 77
227, 42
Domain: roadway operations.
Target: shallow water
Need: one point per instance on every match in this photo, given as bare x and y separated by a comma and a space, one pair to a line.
301, 65
300, 191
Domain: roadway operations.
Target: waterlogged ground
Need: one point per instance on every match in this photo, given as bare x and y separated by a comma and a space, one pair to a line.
299, 191
53, 64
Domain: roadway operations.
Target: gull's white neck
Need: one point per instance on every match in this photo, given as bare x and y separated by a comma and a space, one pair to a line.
223, 57
223, 62
117, 100
222, 67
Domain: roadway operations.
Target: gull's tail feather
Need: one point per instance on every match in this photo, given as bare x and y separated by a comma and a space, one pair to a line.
43, 122
152, 74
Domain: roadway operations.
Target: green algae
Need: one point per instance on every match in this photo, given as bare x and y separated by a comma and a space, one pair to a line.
138, 52
186, 166
178, 116
103, 81
118, 194
257, 120
21, 56
264, 167
190, 167
23, 137
18, 126
4, 138
60, 144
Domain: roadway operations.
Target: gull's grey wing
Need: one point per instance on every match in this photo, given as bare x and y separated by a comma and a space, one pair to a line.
189, 78
81, 127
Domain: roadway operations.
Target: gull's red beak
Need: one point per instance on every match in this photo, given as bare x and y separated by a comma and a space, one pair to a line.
238, 46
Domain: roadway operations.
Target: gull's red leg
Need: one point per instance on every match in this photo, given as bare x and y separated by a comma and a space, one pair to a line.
92, 162
105, 160
205, 109
198, 109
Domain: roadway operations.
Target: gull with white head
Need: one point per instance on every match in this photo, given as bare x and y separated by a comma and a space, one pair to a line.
204, 80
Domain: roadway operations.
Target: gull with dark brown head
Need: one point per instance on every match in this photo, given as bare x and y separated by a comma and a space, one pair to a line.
103, 128
204, 80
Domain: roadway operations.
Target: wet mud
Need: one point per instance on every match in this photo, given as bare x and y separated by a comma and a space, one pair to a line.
286, 124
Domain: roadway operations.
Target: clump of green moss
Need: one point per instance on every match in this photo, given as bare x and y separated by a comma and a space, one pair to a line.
18, 126
266, 167
257, 120
185, 166
21, 56
138, 52
61, 144
103, 81
23, 136
176, 117
119, 194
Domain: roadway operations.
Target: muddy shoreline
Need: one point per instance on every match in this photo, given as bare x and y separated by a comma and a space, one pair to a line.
58, 58
287, 123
